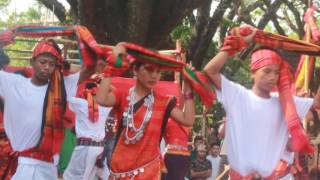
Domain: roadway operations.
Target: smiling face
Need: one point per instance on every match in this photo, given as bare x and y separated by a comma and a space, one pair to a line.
43, 66
147, 75
266, 78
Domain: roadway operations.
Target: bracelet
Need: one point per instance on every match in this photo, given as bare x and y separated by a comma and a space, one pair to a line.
188, 95
107, 72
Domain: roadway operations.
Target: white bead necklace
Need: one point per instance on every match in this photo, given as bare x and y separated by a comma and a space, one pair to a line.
128, 119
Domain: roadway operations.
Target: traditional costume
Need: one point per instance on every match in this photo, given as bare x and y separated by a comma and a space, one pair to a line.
177, 155
36, 131
140, 127
90, 132
257, 129
139, 134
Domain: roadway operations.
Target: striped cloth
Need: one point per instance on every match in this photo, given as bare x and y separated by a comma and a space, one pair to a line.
300, 141
198, 80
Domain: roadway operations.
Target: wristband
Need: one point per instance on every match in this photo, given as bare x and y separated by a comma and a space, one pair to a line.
188, 95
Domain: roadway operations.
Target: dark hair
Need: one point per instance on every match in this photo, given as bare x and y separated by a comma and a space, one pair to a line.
55, 45
4, 59
66, 65
215, 144
197, 138
137, 64
90, 85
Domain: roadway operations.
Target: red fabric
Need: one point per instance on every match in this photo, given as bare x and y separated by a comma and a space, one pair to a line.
46, 47
233, 44
89, 48
111, 69
167, 88
145, 150
27, 70
198, 80
234, 175
202, 88
92, 103
8, 162
9, 159
278, 41
176, 134
310, 20
69, 118
163, 61
53, 131
19, 31
263, 57
6, 38
282, 168
54, 116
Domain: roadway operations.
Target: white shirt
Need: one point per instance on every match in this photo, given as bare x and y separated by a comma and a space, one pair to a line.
24, 106
256, 131
84, 127
215, 162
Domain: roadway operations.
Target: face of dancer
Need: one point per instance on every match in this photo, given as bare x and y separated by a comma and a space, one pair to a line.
266, 78
43, 66
147, 75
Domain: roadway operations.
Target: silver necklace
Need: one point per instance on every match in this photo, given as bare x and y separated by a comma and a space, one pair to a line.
128, 120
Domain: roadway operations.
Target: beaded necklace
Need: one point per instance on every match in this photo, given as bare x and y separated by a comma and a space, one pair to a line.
128, 120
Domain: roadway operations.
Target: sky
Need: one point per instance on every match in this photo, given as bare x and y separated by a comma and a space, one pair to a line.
23, 5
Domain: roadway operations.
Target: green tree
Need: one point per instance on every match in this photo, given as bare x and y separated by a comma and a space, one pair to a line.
32, 15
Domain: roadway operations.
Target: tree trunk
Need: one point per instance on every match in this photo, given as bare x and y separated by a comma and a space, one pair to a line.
204, 31
146, 22
58, 8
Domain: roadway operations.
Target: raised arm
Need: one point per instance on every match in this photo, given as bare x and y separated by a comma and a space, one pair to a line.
213, 68
231, 45
185, 116
86, 73
105, 96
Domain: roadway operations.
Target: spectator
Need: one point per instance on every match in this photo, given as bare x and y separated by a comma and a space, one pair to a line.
217, 161
201, 168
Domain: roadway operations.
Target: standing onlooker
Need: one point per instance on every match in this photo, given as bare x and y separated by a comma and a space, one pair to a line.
196, 142
217, 161
201, 168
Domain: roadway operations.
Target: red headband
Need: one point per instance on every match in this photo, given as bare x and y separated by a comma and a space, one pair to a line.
264, 57
46, 47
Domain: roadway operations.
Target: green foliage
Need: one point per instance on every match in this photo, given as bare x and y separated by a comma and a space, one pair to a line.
238, 71
317, 63
235, 70
4, 3
32, 15
20, 45
183, 32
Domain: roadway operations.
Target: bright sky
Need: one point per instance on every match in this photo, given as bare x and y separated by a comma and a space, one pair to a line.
23, 5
